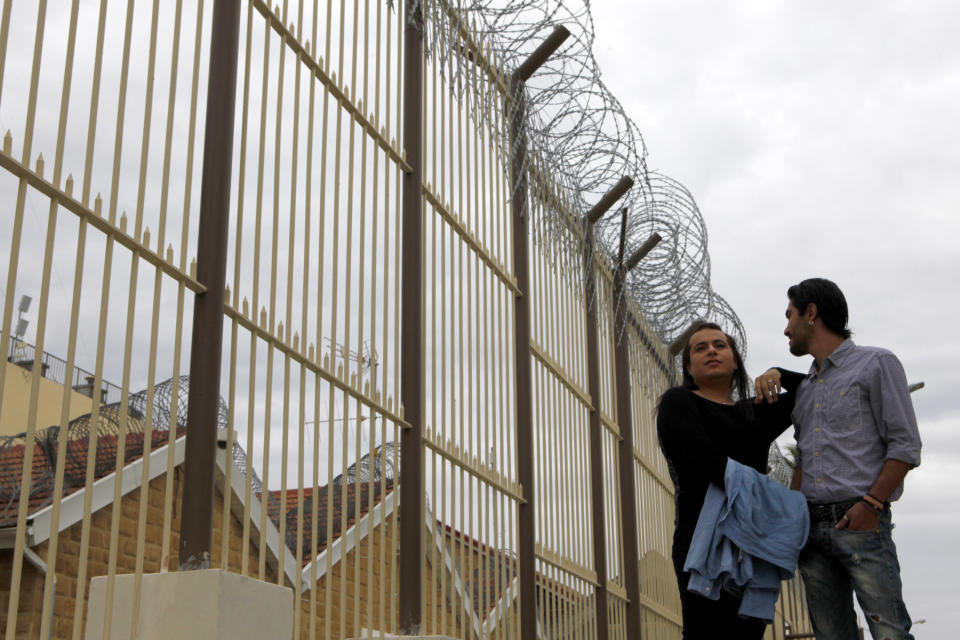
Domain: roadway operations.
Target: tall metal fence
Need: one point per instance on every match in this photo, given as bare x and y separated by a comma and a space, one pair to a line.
428, 404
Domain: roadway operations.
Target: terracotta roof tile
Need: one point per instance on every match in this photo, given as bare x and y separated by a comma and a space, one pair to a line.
74, 471
324, 506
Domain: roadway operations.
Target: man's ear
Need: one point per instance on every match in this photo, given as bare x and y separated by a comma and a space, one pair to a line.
810, 313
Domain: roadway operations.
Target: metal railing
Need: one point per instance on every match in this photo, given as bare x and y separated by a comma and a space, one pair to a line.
54, 369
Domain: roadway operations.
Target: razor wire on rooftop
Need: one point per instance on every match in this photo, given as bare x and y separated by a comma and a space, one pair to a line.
579, 134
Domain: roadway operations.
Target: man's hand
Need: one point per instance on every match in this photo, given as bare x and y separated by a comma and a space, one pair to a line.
767, 386
859, 517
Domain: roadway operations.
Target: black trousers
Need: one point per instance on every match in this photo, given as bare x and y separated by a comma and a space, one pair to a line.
706, 619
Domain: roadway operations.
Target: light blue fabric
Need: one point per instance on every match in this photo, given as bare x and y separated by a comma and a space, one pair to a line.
747, 540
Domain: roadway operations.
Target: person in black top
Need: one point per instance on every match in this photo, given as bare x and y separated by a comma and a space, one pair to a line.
699, 426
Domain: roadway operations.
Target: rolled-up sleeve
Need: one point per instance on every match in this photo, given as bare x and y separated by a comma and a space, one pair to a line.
893, 410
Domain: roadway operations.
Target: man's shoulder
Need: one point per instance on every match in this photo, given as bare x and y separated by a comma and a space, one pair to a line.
867, 354
876, 351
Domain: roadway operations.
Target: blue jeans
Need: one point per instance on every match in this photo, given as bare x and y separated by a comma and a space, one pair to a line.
836, 563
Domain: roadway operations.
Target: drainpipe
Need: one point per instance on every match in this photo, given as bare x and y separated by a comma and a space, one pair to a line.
41, 566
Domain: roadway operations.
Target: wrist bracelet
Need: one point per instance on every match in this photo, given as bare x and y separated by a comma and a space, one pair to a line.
879, 501
872, 506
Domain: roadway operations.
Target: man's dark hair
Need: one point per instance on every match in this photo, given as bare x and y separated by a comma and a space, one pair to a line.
740, 381
831, 305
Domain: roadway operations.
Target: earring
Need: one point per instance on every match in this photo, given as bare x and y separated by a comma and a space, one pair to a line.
810, 322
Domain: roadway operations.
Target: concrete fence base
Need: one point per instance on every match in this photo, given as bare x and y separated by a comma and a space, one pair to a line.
192, 605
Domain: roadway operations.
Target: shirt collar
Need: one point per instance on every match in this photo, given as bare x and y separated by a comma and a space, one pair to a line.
836, 358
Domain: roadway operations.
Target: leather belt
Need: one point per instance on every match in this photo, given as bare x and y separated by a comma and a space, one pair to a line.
831, 512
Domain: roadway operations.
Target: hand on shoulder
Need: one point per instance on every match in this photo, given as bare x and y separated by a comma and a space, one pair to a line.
768, 386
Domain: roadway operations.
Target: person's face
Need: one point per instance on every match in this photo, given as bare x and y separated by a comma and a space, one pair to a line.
710, 356
798, 331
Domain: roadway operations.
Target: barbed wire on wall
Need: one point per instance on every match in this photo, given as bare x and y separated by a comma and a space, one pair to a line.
111, 421
579, 139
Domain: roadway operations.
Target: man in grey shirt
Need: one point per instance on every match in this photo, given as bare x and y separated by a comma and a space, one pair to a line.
857, 437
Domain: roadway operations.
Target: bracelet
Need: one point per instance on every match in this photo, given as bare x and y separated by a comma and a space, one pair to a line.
879, 501
872, 506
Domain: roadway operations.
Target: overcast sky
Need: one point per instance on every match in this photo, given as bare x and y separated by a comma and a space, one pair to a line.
821, 139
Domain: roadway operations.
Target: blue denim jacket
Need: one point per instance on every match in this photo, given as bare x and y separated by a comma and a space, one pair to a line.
747, 540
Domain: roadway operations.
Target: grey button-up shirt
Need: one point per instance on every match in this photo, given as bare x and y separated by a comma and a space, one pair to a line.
850, 417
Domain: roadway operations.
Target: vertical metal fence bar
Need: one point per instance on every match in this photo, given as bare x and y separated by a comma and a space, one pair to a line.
25, 477
50, 578
101, 339
131, 307
196, 531
411, 327
161, 240
36, 368
592, 297
625, 418
527, 510
628, 498
142, 235
185, 227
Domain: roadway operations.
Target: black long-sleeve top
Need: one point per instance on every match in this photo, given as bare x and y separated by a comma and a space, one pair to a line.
698, 435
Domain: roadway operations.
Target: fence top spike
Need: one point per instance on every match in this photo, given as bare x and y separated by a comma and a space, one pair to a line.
263, 316
170, 255
193, 268
296, 341
145, 241
326, 361
40, 164
7, 142
69, 185
280, 331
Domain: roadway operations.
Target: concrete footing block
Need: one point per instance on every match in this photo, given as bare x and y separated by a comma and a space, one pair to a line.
211, 604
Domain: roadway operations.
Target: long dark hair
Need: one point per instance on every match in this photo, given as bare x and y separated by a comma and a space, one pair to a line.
740, 381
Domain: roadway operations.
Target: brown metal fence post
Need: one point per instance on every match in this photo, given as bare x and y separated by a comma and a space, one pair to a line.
593, 387
628, 490
411, 332
196, 531
526, 519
